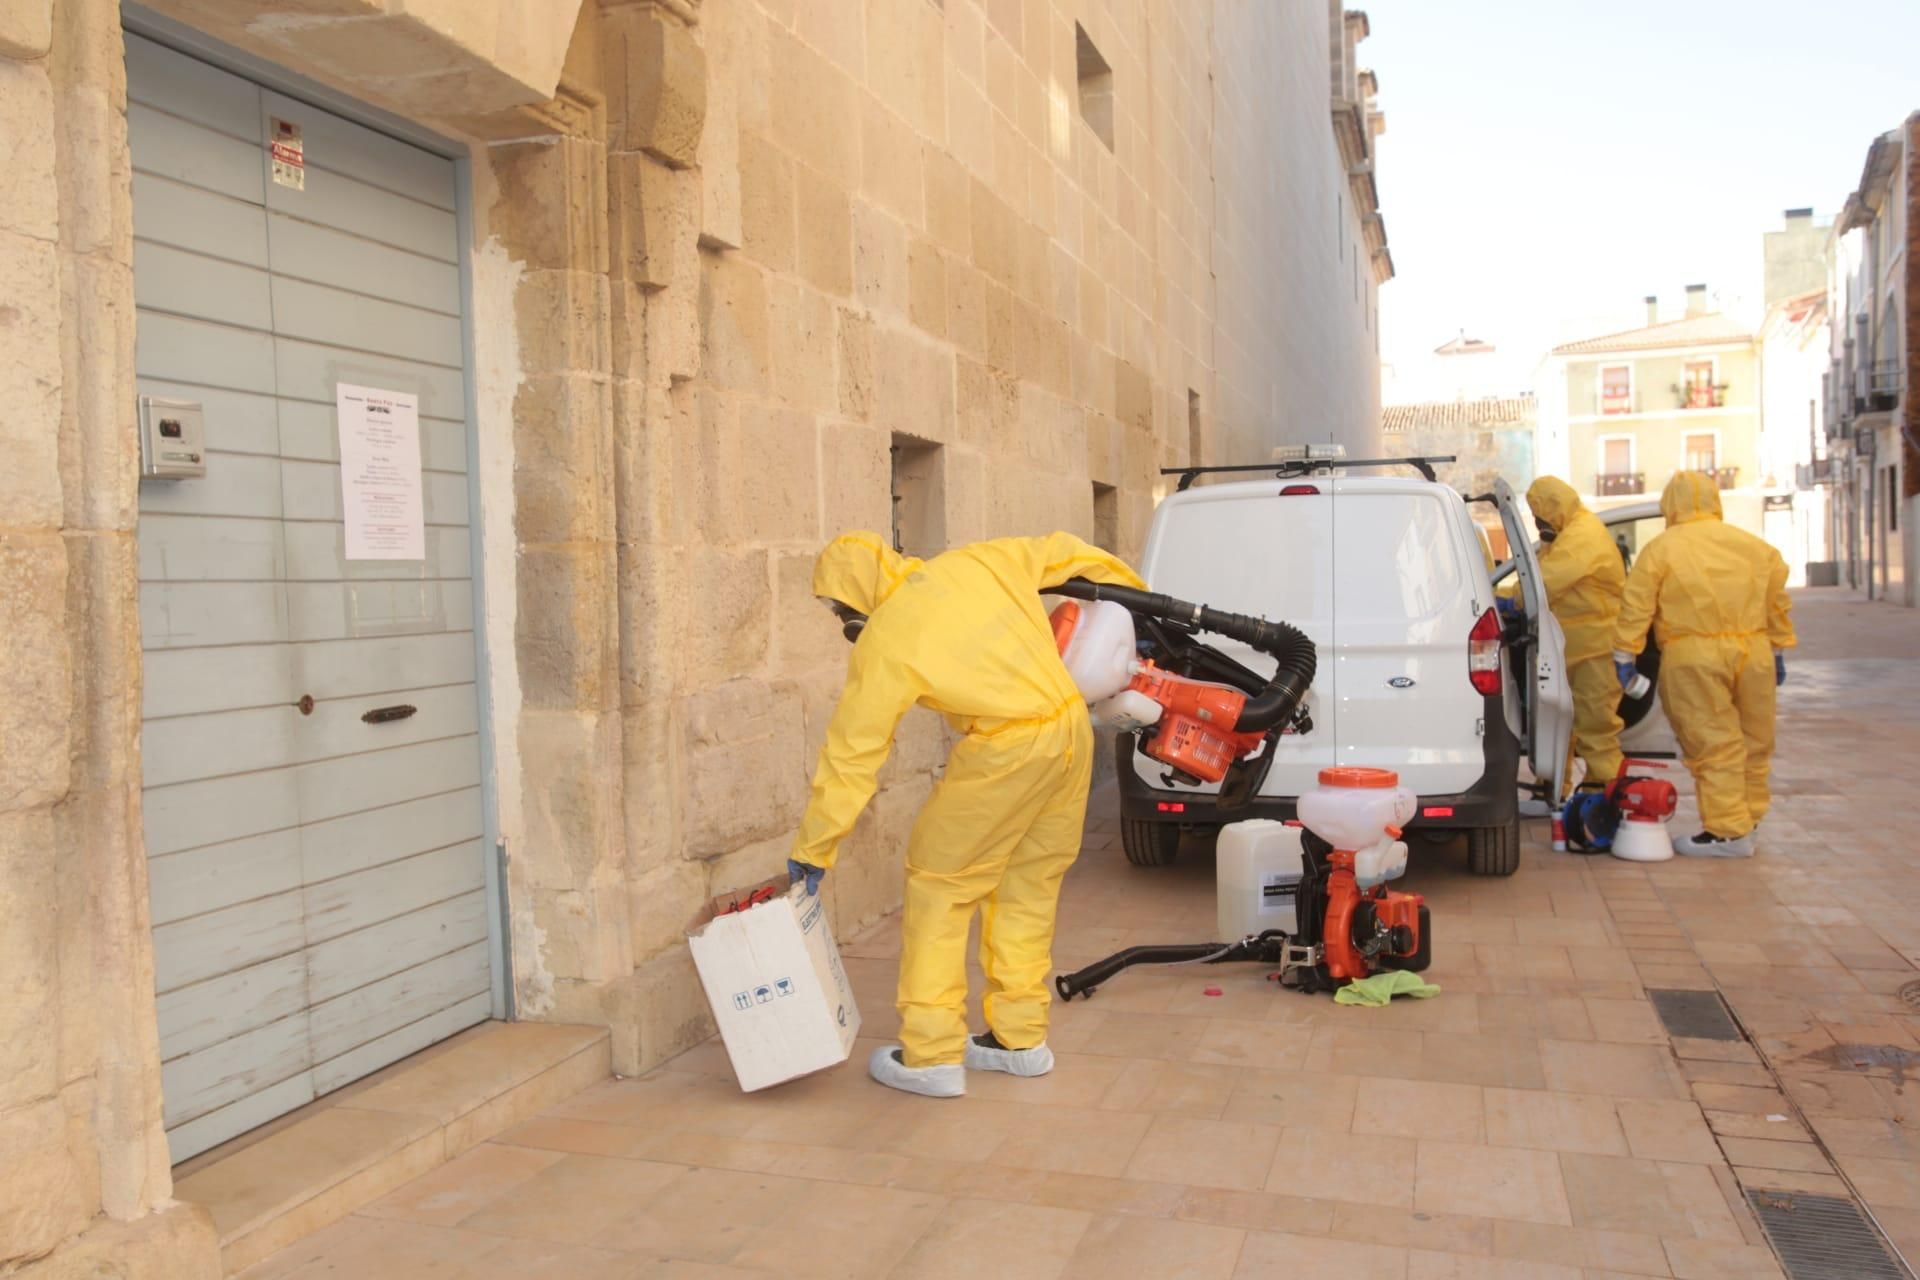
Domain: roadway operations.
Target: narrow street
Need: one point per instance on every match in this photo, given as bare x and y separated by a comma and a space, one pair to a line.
1536, 1119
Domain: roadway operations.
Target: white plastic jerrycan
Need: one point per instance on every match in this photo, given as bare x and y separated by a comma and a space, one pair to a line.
1257, 879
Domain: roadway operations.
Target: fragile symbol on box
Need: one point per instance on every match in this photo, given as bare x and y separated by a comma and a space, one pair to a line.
783, 986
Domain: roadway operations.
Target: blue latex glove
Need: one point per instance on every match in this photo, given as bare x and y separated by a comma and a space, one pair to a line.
1506, 605
798, 871
1626, 671
1779, 668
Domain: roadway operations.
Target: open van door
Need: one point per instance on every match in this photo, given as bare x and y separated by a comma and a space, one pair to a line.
1646, 731
1539, 663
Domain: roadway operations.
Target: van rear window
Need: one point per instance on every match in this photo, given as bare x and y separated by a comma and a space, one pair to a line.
1398, 556
1270, 557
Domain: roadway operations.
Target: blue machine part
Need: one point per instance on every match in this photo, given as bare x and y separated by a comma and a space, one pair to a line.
1590, 819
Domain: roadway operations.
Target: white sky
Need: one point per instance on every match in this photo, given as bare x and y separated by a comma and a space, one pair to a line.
1548, 163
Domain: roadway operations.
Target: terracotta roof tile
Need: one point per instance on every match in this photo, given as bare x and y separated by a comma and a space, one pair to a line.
1490, 413
1688, 331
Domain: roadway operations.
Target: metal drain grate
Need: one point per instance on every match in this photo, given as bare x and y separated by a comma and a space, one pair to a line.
1694, 1015
1910, 994
1823, 1237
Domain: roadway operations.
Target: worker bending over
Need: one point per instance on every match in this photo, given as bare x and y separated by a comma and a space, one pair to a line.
964, 634
1717, 600
1581, 569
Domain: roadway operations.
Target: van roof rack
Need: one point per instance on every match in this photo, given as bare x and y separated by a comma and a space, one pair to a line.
1287, 468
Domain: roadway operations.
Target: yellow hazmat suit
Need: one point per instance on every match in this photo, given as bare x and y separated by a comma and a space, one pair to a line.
1717, 600
965, 634
1583, 576
1509, 588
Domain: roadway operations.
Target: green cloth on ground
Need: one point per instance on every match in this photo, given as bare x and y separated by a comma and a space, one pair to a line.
1382, 987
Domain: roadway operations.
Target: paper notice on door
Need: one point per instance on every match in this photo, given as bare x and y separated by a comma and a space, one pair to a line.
380, 473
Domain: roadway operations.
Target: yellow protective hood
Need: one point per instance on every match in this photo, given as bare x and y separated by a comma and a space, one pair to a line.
1689, 496
860, 570
1553, 501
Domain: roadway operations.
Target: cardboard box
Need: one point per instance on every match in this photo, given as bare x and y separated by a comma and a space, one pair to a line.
778, 991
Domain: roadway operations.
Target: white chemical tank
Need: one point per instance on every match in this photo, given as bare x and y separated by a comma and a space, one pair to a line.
1096, 641
1355, 808
1257, 878
1362, 811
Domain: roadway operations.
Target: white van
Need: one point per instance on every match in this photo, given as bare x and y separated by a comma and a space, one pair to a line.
1418, 672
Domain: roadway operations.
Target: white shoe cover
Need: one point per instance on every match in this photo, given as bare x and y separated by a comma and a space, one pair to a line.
948, 1080
1036, 1061
1688, 847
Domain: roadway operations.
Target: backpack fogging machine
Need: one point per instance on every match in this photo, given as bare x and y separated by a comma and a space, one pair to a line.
1139, 659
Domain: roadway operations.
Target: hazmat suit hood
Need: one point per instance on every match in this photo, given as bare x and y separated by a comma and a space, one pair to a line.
1690, 496
1554, 502
860, 570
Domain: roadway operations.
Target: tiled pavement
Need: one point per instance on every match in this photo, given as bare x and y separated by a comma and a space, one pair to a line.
1534, 1120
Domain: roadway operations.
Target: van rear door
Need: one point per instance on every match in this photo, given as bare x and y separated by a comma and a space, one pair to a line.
1541, 669
1404, 608
1263, 548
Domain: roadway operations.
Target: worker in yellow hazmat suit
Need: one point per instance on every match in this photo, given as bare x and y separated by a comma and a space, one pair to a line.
1716, 598
963, 633
1581, 570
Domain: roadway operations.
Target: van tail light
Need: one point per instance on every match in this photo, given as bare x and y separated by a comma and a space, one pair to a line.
1295, 490
1483, 654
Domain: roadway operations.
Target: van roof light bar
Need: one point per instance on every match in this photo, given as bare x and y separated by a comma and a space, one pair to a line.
1288, 468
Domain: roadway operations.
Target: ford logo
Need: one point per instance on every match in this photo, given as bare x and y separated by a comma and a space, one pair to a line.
1401, 682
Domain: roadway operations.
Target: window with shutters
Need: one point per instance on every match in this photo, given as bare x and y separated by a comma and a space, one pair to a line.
1616, 389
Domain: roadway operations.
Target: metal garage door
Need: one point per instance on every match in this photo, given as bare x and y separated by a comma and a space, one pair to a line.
318, 881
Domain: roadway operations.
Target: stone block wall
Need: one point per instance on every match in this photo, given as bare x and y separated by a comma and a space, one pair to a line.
1296, 325
84, 1183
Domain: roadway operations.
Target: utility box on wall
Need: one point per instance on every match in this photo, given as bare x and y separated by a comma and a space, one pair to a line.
173, 439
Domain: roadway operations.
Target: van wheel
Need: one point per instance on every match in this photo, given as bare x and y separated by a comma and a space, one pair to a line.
1494, 851
1150, 844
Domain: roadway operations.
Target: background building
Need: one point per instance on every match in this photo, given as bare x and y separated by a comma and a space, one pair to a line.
1491, 438
1794, 348
1794, 345
1622, 412
677, 288
1872, 416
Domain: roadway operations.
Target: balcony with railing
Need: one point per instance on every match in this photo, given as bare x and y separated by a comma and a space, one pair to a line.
1702, 395
1621, 483
1724, 477
1813, 475
1885, 380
